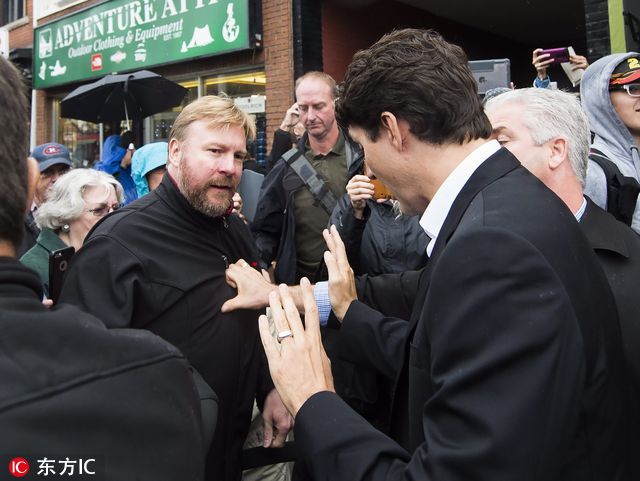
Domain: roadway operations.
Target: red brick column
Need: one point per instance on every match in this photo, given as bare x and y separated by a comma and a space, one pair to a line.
278, 55
43, 118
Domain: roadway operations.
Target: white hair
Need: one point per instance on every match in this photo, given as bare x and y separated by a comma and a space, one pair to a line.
549, 114
65, 201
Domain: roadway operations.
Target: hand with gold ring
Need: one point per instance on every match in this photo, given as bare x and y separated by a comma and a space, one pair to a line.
299, 367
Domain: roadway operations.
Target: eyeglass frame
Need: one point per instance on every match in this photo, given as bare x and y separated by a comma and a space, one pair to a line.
625, 87
110, 208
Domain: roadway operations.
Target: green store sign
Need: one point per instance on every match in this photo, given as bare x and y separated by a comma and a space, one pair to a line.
123, 35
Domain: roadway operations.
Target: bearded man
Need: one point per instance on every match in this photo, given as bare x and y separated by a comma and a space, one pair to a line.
159, 264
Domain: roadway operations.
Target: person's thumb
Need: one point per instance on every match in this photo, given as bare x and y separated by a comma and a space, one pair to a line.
230, 305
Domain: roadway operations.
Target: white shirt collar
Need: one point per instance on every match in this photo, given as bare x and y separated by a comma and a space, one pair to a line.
438, 209
581, 210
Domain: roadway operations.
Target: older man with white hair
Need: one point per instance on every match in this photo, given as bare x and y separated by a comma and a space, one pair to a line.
549, 132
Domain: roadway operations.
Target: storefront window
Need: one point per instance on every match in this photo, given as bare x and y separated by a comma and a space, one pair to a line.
81, 138
248, 90
242, 85
160, 124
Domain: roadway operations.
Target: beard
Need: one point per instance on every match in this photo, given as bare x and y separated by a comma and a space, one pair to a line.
199, 195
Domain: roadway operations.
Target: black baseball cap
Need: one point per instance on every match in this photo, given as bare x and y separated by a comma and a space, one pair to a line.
627, 71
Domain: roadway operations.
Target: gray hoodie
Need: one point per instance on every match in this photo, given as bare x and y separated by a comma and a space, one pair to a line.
612, 137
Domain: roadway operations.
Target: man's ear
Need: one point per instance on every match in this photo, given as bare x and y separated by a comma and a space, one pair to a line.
559, 152
33, 174
175, 153
392, 128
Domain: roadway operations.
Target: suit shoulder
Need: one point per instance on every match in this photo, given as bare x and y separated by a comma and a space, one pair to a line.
606, 233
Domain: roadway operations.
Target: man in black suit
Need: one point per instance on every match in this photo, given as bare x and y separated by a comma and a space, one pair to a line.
548, 131
508, 367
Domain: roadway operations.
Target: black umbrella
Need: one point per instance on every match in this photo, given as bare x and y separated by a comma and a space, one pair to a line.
119, 97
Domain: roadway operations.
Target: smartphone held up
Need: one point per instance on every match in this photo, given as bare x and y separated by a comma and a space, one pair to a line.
380, 191
58, 264
559, 55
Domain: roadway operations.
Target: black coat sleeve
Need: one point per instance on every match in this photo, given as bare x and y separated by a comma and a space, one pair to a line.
393, 294
500, 349
374, 329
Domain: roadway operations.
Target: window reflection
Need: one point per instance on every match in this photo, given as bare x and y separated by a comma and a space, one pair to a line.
82, 138
161, 123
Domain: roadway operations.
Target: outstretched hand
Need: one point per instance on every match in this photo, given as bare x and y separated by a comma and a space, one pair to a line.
299, 367
253, 287
342, 285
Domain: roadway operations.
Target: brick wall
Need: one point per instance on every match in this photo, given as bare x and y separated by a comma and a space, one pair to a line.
597, 28
278, 60
43, 118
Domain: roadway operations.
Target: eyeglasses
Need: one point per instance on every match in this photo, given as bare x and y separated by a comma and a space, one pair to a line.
105, 209
632, 89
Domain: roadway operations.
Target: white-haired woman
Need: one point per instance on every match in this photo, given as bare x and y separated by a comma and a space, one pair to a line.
78, 200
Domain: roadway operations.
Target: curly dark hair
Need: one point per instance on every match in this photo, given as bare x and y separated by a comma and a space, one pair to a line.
14, 144
419, 77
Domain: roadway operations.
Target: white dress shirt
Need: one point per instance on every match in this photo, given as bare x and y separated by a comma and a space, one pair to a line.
439, 207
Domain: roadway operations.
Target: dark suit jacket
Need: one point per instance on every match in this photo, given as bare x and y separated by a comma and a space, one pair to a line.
618, 249
509, 367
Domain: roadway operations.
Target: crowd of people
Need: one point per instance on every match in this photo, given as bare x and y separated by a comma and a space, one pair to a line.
449, 282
